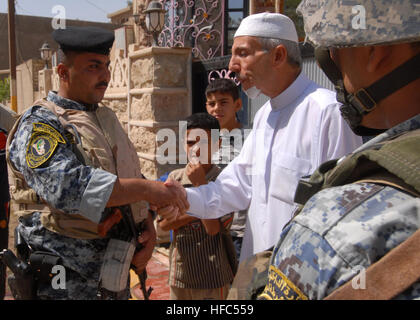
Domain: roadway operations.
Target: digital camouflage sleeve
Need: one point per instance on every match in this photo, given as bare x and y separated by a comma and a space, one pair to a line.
339, 232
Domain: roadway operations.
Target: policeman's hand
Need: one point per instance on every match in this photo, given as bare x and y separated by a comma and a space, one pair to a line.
176, 188
163, 195
195, 172
148, 240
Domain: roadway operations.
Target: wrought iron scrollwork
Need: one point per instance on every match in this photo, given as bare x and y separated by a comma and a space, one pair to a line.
194, 23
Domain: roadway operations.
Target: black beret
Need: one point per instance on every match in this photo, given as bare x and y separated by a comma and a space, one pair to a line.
84, 39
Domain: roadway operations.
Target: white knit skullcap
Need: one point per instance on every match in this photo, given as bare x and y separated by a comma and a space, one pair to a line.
268, 25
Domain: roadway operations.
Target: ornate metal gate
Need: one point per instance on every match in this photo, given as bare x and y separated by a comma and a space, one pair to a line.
207, 26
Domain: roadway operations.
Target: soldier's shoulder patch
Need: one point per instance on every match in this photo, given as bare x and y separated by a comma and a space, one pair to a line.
279, 287
43, 142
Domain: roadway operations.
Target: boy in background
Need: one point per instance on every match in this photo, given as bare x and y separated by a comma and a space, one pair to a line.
223, 103
199, 266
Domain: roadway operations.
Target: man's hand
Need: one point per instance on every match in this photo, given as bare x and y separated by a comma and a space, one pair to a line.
195, 172
169, 193
176, 210
148, 240
158, 194
179, 190
171, 212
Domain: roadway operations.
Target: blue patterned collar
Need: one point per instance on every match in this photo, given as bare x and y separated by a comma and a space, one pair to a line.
69, 104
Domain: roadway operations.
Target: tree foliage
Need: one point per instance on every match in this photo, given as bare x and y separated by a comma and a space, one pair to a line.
290, 11
4, 90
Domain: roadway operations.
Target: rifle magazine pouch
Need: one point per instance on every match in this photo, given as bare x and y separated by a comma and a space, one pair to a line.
116, 265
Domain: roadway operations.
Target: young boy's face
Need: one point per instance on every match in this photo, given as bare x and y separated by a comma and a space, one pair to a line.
198, 146
223, 108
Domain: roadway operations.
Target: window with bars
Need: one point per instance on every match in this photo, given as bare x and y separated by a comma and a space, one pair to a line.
235, 11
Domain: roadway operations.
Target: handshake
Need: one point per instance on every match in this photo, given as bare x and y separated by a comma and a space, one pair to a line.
170, 195
175, 203
170, 201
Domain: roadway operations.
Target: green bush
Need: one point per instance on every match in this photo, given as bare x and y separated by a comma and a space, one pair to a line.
4, 90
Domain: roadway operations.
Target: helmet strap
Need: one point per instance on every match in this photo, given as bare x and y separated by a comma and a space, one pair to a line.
366, 99
356, 105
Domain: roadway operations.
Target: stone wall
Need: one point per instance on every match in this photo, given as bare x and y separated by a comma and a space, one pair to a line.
27, 83
150, 90
45, 81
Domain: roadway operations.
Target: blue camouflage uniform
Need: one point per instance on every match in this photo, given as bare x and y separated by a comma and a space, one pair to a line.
68, 185
340, 231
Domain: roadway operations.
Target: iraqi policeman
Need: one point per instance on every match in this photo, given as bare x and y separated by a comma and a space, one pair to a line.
71, 166
356, 235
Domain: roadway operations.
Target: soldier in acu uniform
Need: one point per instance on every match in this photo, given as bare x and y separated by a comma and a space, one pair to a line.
70, 162
356, 236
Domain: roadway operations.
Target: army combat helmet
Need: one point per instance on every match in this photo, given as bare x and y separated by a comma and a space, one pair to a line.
356, 23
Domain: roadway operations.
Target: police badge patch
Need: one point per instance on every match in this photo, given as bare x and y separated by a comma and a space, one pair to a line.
42, 144
279, 287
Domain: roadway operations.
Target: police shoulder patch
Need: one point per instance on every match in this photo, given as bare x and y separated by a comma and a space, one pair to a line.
43, 142
279, 287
